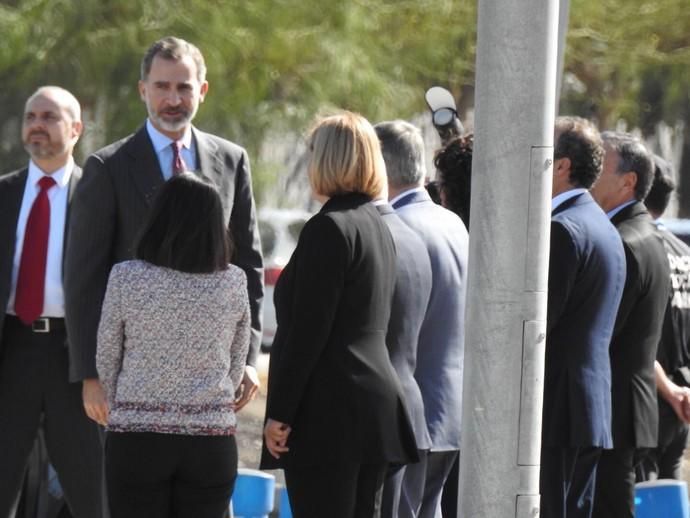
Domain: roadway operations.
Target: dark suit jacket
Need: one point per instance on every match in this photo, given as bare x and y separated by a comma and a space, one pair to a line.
330, 377
586, 280
638, 328
109, 208
410, 300
11, 194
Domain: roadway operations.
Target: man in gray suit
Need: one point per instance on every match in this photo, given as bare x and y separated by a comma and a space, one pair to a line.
115, 194
441, 342
410, 302
35, 204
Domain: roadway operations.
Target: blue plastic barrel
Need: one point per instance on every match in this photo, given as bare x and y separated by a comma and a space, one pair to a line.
664, 498
253, 494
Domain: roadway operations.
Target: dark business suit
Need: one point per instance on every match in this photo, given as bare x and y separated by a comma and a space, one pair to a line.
410, 301
34, 387
633, 351
441, 349
111, 204
586, 280
330, 376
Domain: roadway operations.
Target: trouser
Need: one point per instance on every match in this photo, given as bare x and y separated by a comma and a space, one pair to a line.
437, 467
665, 460
402, 500
152, 475
346, 490
33, 387
567, 481
615, 486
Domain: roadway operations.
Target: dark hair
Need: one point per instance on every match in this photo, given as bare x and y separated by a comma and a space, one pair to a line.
663, 185
173, 49
454, 165
632, 157
185, 229
579, 141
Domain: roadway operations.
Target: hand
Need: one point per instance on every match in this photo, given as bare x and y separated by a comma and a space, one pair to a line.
248, 388
275, 436
679, 399
95, 403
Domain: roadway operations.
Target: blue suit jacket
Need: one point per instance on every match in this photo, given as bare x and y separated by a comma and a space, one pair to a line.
410, 300
441, 339
586, 280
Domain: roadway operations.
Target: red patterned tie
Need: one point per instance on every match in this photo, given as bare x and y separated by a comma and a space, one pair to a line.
31, 280
178, 165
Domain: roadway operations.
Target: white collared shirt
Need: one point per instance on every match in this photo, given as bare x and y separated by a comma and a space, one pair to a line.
561, 198
405, 193
164, 152
54, 299
616, 210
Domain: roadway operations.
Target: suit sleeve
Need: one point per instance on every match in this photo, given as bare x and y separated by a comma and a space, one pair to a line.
245, 233
563, 266
321, 261
88, 258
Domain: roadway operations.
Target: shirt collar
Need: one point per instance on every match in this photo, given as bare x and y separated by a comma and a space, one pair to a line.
561, 198
616, 210
160, 141
61, 176
405, 193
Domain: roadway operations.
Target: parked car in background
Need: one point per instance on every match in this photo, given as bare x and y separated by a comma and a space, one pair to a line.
279, 230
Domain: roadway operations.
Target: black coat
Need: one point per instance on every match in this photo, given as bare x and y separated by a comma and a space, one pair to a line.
330, 377
638, 329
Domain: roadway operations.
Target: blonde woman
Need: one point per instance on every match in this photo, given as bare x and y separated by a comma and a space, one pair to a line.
335, 414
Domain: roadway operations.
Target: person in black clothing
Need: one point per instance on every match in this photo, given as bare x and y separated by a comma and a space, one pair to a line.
673, 356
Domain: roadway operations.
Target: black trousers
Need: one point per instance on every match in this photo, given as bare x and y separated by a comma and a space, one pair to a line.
665, 460
567, 481
615, 492
347, 490
152, 475
34, 387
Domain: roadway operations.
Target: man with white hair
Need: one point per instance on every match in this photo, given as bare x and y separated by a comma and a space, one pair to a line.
34, 385
440, 349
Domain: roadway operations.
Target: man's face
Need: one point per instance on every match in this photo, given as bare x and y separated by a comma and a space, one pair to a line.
49, 130
612, 189
172, 93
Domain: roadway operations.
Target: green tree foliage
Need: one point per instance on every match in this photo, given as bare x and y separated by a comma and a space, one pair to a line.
273, 64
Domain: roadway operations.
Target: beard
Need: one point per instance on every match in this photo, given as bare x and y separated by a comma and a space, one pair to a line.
42, 149
171, 119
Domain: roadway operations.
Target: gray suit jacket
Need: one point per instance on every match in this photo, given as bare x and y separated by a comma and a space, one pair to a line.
11, 194
410, 302
109, 208
441, 340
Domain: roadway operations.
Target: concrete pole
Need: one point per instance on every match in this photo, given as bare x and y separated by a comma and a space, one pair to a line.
508, 263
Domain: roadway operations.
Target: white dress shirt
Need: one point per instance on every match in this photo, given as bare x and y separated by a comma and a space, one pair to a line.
616, 210
164, 152
54, 299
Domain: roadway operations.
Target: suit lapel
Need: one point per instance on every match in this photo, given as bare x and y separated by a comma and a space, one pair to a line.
146, 171
209, 160
73, 181
11, 195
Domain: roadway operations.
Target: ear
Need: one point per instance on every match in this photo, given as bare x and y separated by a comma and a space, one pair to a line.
203, 91
561, 168
142, 90
630, 181
77, 128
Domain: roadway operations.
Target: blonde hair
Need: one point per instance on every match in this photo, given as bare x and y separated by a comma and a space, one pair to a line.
346, 157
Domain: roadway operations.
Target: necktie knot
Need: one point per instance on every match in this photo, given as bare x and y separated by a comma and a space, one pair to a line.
45, 183
178, 165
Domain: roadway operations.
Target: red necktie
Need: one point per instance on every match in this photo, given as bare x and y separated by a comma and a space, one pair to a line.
28, 304
178, 165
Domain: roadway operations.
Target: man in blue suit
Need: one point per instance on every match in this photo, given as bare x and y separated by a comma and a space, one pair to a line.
441, 341
586, 280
